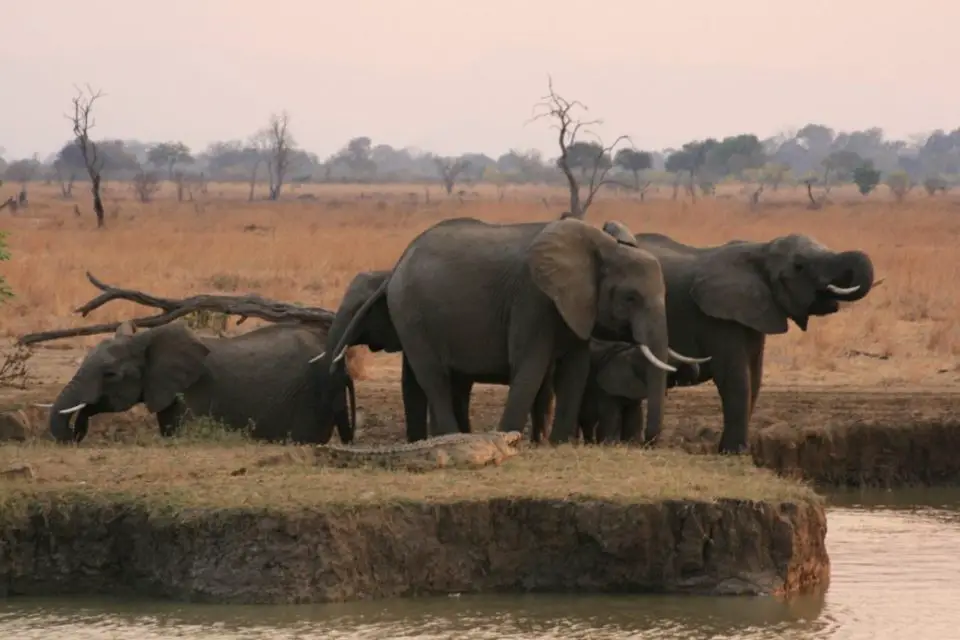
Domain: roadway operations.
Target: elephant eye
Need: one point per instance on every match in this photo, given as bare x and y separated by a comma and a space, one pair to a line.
111, 374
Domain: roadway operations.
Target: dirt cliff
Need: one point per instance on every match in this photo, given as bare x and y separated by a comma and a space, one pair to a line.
63, 544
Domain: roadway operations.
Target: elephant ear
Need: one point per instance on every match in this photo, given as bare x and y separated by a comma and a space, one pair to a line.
727, 286
619, 232
562, 261
174, 362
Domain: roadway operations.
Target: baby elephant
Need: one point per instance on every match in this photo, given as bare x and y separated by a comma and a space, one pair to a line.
612, 409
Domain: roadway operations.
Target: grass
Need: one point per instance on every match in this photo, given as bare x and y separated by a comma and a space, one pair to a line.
223, 474
307, 248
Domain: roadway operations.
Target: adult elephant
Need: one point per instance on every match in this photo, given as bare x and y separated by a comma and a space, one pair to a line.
514, 300
376, 331
259, 379
724, 300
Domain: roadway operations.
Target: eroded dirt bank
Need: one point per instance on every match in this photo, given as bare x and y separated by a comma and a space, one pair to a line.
62, 546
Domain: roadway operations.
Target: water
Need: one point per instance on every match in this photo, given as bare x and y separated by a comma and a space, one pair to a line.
894, 575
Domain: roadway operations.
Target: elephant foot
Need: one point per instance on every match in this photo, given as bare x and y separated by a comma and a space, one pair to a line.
733, 450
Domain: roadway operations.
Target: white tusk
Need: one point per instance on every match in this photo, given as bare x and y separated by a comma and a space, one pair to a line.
654, 360
840, 291
73, 409
687, 359
43, 405
315, 358
340, 357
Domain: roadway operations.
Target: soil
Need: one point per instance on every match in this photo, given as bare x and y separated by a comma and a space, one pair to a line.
850, 435
727, 547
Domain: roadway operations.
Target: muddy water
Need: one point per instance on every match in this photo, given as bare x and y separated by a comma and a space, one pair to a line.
895, 557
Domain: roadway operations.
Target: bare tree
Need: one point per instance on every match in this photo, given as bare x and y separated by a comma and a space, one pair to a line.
145, 184
596, 166
245, 306
450, 169
82, 123
280, 143
65, 176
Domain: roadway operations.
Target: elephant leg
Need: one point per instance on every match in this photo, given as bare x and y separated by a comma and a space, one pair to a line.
631, 421
539, 429
341, 416
414, 403
462, 388
756, 371
530, 364
610, 422
571, 375
732, 379
171, 418
434, 380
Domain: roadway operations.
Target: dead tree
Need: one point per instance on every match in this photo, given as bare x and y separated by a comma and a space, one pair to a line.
82, 123
450, 169
280, 144
66, 178
559, 109
245, 306
145, 185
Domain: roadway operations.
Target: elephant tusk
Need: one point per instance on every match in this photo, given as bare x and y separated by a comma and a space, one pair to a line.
340, 357
73, 409
43, 405
687, 359
315, 358
656, 361
841, 291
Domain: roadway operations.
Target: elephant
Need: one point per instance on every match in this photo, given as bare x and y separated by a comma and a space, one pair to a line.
724, 300
514, 302
612, 406
376, 332
259, 379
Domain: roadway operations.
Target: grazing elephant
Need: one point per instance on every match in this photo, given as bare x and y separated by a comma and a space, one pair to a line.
510, 301
723, 301
612, 407
260, 377
376, 332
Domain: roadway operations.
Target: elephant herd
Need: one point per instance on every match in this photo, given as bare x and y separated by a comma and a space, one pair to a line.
598, 320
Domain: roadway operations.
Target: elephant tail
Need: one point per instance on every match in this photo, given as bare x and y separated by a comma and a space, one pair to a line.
352, 399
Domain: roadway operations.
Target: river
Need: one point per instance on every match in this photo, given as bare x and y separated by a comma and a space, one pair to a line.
895, 571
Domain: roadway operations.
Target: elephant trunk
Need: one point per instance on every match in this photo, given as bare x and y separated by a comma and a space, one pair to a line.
851, 276
64, 408
652, 338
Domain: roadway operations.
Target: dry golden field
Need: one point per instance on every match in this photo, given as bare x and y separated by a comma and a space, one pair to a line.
903, 337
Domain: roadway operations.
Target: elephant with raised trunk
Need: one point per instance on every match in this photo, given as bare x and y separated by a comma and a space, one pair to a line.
260, 380
510, 301
723, 301
612, 407
376, 332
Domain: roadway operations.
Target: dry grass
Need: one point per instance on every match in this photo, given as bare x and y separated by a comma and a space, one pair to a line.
308, 247
223, 474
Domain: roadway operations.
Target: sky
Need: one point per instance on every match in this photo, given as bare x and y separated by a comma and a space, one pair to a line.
455, 77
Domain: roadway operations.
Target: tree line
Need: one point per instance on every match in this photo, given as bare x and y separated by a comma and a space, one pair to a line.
814, 154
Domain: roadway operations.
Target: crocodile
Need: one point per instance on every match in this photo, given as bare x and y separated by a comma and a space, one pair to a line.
457, 450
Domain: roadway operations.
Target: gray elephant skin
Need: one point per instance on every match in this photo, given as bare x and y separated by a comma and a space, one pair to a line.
722, 301
260, 379
375, 330
612, 406
510, 301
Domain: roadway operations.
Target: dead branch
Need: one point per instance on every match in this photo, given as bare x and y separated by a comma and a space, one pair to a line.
246, 306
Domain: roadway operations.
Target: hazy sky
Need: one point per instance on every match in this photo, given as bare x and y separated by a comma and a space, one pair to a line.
452, 76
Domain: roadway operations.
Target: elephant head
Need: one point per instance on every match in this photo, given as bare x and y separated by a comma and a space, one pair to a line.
152, 367
621, 370
598, 283
762, 284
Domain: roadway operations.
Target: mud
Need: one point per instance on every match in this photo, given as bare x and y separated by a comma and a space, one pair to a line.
63, 546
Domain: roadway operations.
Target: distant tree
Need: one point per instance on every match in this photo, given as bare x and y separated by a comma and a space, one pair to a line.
841, 164
145, 184
22, 171
449, 170
634, 161
169, 154
691, 159
82, 123
573, 155
279, 143
933, 184
900, 184
866, 177
5, 291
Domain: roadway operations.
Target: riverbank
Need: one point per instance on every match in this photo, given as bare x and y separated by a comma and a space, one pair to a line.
206, 522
